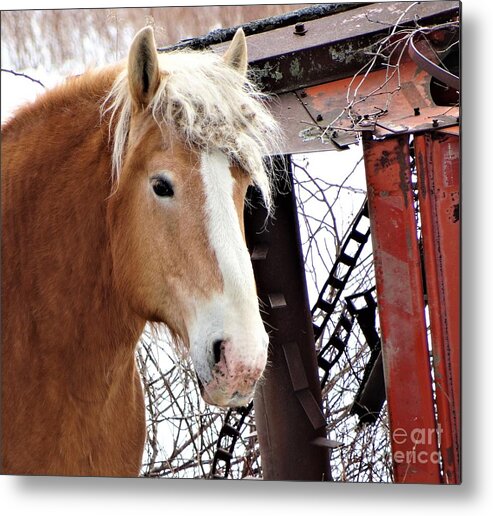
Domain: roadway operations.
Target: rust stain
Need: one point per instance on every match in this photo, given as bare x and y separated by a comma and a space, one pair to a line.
455, 213
421, 176
404, 182
395, 273
384, 161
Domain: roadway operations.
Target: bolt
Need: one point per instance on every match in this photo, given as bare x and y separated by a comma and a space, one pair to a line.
334, 134
303, 93
416, 111
435, 122
299, 29
319, 118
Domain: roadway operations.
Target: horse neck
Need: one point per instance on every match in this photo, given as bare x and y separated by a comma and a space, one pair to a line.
62, 307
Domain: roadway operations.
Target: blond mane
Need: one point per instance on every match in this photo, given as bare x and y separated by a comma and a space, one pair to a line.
210, 106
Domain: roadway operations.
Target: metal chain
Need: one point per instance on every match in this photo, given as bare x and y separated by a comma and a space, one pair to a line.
335, 284
226, 442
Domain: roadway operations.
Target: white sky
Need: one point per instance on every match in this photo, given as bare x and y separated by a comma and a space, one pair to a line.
16, 91
135, 497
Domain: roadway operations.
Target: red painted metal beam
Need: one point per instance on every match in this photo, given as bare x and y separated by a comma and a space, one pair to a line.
438, 167
407, 367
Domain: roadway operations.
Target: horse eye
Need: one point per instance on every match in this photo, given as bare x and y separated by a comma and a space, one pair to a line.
162, 187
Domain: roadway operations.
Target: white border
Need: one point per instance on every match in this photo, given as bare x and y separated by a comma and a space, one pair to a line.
138, 497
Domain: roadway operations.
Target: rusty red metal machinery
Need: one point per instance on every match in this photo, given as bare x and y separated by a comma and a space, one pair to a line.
417, 270
408, 120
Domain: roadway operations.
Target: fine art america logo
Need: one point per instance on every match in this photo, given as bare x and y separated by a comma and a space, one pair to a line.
419, 438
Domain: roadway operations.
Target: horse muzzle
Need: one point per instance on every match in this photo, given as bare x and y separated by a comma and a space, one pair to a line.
233, 379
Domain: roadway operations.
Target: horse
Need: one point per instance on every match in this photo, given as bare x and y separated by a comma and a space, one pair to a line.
123, 192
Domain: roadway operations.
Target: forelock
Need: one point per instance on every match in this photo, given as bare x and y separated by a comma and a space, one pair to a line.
208, 105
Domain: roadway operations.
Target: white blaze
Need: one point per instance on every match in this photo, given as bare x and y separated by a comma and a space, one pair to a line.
234, 313
224, 227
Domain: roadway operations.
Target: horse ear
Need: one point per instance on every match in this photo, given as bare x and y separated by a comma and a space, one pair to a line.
143, 67
237, 55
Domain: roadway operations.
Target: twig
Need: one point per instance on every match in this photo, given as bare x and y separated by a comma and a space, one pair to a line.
19, 74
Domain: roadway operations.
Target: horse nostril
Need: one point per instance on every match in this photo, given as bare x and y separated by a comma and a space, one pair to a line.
217, 350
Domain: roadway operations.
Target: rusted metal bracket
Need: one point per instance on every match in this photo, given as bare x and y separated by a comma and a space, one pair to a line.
300, 385
370, 397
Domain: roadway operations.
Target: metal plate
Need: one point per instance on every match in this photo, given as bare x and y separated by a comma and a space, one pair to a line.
332, 47
316, 118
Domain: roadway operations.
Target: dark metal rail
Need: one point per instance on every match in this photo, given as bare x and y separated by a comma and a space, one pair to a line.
265, 24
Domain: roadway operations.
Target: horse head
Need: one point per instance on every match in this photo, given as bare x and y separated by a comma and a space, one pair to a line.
190, 132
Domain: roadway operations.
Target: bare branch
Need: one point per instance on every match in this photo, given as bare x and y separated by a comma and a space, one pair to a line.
18, 74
